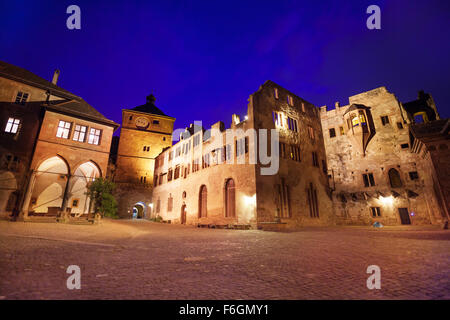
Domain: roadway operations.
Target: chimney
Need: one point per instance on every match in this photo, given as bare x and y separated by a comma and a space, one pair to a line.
55, 76
337, 104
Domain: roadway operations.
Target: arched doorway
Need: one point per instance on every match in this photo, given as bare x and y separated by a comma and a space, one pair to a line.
49, 185
394, 178
230, 199
139, 210
79, 201
183, 214
202, 202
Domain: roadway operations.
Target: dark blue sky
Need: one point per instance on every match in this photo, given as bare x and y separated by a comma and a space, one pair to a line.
202, 59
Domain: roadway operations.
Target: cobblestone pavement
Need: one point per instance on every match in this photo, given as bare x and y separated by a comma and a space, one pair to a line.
145, 260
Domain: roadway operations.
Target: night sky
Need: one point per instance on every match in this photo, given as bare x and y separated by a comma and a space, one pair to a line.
202, 59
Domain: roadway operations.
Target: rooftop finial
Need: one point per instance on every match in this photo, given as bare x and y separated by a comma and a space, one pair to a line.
151, 99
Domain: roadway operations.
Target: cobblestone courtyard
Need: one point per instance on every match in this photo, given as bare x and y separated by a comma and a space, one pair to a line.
145, 260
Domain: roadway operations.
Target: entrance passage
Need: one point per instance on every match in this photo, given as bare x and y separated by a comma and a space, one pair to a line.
404, 215
138, 211
183, 214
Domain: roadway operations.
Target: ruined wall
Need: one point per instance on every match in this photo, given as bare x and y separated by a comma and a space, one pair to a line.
387, 149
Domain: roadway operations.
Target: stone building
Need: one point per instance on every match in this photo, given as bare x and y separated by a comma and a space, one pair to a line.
374, 170
52, 143
145, 132
222, 176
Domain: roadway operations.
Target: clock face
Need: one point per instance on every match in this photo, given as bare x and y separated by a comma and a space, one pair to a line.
141, 122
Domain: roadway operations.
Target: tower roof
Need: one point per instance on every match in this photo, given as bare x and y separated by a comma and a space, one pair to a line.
150, 107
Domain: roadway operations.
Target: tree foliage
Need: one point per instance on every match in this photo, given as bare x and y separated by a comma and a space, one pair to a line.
100, 192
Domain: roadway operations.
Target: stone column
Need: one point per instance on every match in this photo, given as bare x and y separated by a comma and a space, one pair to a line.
66, 194
27, 195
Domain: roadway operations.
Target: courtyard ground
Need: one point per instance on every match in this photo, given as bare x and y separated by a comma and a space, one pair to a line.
145, 260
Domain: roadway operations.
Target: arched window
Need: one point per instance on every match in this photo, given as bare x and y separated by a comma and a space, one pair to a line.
230, 199
394, 178
202, 203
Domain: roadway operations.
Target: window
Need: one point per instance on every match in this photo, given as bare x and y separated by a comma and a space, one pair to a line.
63, 129
368, 179
202, 202
312, 201
161, 179
205, 161
146, 148
324, 167
230, 199
314, 159
413, 175
12, 126
284, 207
295, 153
170, 155
241, 146
94, 136
311, 133
384, 120
80, 133
275, 93
155, 122
292, 124
177, 172
303, 107
75, 203
376, 212
169, 174
155, 180
290, 100
277, 118
341, 131
394, 178
332, 133
195, 165
399, 125
227, 151
158, 205
404, 146
21, 97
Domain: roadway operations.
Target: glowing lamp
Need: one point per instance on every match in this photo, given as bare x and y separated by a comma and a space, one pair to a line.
386, 200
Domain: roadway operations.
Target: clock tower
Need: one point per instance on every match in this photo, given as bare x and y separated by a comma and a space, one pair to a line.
145, 132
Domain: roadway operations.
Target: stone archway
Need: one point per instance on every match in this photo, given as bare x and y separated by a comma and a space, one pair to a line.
139, 210
78, 201
48, 186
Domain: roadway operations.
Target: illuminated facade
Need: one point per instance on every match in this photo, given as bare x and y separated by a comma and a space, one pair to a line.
52, 144
373, 170
216, 176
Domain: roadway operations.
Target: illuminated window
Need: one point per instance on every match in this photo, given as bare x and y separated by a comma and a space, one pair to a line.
354, 120
362, 118
275, 91
290, 100
94, 136
303, 107
63, 129
21, 97
12, 126
80, 133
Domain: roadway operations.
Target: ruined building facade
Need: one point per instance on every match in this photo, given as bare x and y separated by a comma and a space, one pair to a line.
374, 168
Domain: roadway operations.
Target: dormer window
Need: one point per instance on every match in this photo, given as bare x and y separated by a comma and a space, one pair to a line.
21, 97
